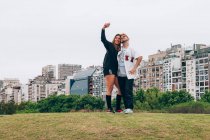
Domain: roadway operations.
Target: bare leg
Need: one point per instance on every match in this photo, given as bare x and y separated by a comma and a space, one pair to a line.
116, 83
110, 80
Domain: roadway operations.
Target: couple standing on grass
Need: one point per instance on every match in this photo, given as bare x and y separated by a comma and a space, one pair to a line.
119, 68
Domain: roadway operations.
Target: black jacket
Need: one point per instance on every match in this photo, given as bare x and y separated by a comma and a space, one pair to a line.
110, 59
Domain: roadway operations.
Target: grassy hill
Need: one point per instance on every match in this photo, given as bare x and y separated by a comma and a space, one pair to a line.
102, 125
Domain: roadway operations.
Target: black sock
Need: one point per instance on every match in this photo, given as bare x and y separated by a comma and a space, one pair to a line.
118, 102
108, 101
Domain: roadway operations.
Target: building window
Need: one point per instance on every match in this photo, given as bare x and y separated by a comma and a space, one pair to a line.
201, 78
206, 83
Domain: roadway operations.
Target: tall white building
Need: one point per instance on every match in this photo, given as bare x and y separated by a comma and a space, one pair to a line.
202, 55
67, 84
24, 93
99, 86
188, 72
195, 70
172, 68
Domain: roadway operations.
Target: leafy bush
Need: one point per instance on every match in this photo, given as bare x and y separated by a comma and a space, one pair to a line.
152, 98
206, 97
61, 103
147, 100
142, 106
7, 108
90, 103
140, 96
175, 97
191, 107
27, 107
2, 108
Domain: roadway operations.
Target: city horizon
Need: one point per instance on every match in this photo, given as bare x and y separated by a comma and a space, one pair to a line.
84, 67
39, 33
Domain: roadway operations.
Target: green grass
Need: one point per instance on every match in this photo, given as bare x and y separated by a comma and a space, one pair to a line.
101, 125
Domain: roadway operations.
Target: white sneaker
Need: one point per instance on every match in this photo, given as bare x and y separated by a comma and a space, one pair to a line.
128, 111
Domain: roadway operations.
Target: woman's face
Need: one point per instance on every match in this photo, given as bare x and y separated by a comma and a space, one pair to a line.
117, 40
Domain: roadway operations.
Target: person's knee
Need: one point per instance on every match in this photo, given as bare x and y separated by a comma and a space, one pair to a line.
109, 89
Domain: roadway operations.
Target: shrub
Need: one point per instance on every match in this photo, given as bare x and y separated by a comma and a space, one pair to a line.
8, 108
53, 103
147, 100
191, 107
152, 98
63, 103
140, 96
90, 102
206, 97
175, 97
2, 108
27, 107
142, 106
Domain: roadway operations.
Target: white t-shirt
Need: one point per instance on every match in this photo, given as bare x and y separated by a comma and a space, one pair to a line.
121, 63
129, 55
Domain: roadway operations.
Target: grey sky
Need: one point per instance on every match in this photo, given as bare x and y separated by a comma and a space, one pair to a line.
35, 33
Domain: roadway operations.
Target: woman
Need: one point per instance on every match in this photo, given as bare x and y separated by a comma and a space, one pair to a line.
110, 67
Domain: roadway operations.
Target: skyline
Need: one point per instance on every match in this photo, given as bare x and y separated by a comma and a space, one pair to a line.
34, 34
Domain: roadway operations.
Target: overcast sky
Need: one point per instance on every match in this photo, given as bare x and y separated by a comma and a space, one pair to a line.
35, 33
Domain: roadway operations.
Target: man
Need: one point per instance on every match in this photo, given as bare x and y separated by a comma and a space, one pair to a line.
128, 61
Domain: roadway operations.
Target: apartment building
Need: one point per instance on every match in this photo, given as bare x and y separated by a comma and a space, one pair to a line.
49, 71
202, 54
11, 94
151, 71
10, 90
24, 93
172, 79
11, 82
99, 85
65, 70
40, 88
188, 71
195, 70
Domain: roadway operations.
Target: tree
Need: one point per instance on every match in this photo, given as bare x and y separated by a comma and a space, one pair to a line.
206, 97
140, 96
174, 97
152, 98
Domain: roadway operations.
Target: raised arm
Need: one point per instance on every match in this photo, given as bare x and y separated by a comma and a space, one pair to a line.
103, 36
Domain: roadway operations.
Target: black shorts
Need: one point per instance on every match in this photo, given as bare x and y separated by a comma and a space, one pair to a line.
108, 71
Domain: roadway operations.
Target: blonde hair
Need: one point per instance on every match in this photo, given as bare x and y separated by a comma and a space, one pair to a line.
123, 34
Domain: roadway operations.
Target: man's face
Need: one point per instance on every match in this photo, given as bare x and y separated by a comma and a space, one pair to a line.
124, 38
